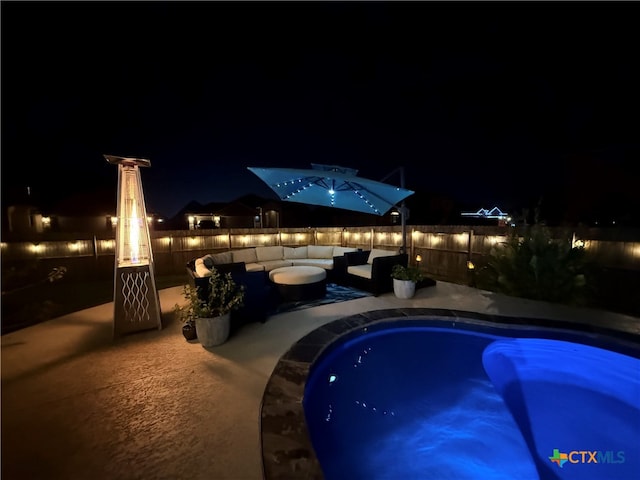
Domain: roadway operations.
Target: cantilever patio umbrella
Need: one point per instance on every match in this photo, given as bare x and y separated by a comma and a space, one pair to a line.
334, 186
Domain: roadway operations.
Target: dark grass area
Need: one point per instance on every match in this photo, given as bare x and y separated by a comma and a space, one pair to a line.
37, 302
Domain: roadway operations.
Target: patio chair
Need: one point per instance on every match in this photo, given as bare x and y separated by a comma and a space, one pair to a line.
370, 270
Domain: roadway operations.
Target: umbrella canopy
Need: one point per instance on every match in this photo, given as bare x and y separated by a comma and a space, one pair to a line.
332, 186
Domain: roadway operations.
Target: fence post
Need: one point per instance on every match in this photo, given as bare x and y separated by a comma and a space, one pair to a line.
469, 247
471, 272
412, 252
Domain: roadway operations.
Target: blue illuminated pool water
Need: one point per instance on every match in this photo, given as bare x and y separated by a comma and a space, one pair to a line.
447, 403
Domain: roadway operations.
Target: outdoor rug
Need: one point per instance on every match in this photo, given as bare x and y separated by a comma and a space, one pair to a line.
335, 294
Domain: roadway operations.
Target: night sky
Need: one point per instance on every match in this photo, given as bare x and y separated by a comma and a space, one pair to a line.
480, 102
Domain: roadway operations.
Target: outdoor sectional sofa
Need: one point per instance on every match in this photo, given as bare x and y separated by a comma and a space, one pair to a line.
250, 267
258, 259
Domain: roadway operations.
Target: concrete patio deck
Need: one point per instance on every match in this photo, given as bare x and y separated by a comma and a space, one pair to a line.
77, 404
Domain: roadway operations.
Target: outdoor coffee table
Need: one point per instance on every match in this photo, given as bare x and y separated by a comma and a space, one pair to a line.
299, 283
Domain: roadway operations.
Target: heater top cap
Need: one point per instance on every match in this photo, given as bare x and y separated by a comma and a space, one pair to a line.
141, 162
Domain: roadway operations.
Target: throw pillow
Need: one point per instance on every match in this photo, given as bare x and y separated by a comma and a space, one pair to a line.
201, 269
208, 261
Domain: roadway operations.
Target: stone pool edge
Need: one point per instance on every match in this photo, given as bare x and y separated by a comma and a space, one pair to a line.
287, 452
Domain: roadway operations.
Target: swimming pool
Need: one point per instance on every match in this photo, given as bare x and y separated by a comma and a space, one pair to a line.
437, 398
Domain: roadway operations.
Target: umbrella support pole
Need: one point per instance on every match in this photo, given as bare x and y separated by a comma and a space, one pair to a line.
404, 211
403, 222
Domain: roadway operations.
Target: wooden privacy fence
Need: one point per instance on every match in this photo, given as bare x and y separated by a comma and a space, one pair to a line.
444, 250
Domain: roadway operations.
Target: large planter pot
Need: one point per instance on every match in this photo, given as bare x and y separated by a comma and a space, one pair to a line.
213, 331
404, 288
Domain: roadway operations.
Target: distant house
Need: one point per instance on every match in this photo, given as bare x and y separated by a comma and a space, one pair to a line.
213, 215
94, 212
21, 214
84, 212
249, 211
493, 215
24, 219
88, 212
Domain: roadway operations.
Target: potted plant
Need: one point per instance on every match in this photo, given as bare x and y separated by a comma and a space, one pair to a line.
405, 279
210, 311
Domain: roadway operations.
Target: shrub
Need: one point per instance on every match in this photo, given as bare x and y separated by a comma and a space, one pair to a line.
538, 267
222, 296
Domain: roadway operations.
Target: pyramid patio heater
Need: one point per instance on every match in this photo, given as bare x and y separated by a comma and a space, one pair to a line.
135, 297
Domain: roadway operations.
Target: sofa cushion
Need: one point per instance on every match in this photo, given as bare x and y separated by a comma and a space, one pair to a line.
363, 271
295, 252
266, 254
339, 251
201, 268
313, 262
246, 255
254, 267
221, 258
271, 264
319, 251
208, 261
376, 252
